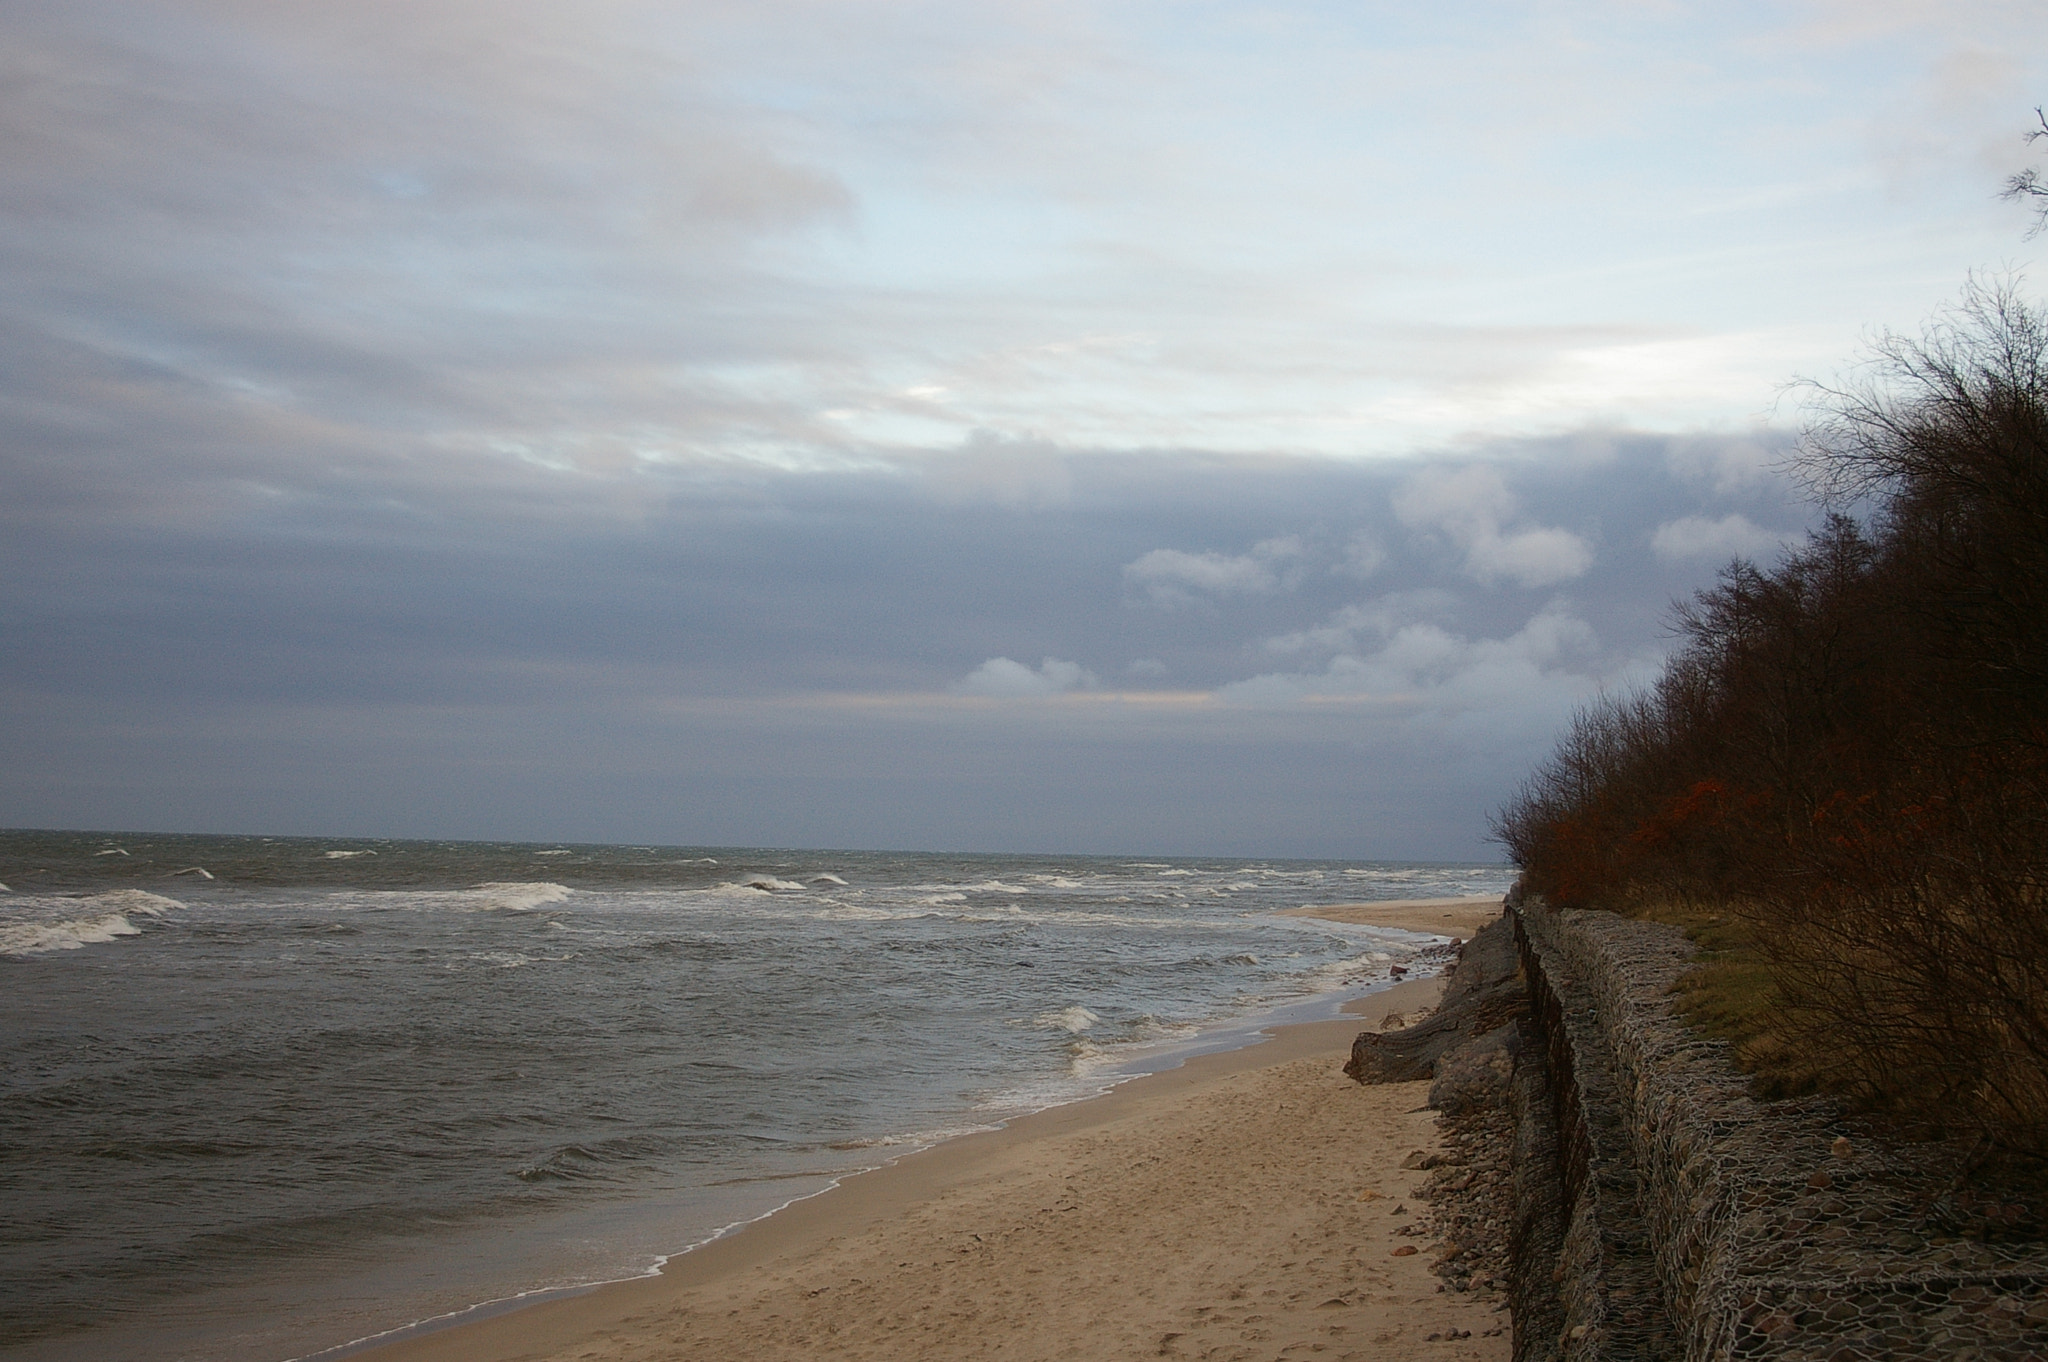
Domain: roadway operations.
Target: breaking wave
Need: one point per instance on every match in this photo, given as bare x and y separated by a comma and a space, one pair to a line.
86, 922
1072, 1020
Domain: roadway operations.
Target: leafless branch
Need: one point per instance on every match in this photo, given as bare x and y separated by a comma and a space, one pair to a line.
2028, 185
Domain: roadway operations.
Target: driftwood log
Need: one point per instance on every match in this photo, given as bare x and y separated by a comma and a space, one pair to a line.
1467, 1043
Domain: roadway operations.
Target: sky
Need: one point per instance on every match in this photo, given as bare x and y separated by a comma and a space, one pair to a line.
1232, 429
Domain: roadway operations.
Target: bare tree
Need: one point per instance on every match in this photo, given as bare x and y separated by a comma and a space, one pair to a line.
2029, 186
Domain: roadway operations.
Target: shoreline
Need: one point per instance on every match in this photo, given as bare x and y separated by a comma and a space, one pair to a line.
873, 1205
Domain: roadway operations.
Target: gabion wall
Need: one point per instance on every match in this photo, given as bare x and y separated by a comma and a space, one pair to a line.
1703, 1223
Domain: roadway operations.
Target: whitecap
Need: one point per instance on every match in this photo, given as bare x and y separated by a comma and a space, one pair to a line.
201, 871
770, 883
98, 919
345, 855
34, 938
1072, 1020
135, 901
561, 851
516, 895
112, 851
855, 912
935, 899
828, 879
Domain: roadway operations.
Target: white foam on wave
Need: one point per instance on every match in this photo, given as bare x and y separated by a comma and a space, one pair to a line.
36, 938
346, 855
517, 896
770, 884
1073, 1020
64, 927
934, 900
828, 879
861, 912
560, 851
201, 871
112, 851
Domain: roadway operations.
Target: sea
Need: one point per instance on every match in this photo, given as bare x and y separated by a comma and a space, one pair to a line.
265, 1098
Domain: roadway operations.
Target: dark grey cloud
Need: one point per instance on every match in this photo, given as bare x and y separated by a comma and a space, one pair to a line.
782, 657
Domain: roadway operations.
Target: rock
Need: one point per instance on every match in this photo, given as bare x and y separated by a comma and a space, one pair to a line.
1820, 1180
1841, 1148
1405, 1251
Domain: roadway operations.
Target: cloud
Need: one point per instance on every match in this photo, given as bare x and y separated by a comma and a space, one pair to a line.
1730, 464
1550, 661
1695, 536
1171, 577
1363, 556
990, 468
1004, 679
1471, 506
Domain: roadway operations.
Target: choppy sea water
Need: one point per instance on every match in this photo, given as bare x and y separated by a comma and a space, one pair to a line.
262, 1097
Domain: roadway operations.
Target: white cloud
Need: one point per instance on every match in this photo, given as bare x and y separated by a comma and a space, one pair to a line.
1174, 577
1003, 678
1471, 506
1729, 464
1695, 536
1147, 666
1549, 661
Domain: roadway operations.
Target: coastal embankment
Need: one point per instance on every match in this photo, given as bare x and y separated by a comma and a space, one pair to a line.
1660, 1210
1248, 1204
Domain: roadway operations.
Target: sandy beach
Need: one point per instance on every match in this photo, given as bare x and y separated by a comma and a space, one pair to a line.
1250, 1204
1459, 917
